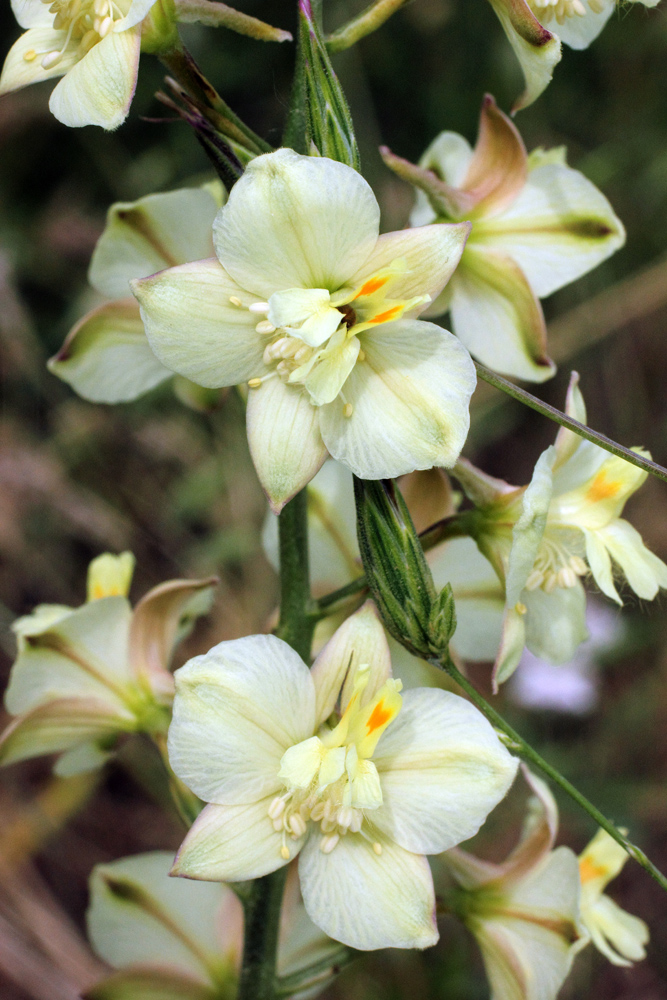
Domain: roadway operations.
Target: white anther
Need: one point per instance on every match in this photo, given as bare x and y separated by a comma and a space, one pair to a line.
550, 583
254, 383
317, 812
265, 327
567, 577
345, 817
277, 808
50, 60
578, 565
534, 580
105, 27
297, 825
327, 844
303, 353
258, 307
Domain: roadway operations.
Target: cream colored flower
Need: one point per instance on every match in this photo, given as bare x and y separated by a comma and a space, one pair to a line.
524, 912
537, 225
314, 310
544, 537
536, 28
93, 44
106, 357
176, 938
334, 765
620, 936
85, 676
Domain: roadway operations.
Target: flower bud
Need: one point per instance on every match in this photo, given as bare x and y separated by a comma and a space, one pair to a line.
398, 575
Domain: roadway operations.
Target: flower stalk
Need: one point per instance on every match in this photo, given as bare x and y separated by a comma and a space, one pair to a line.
296, 625
573, 425
514, 742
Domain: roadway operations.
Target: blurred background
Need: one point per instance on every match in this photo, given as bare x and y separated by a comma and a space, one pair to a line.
177, 488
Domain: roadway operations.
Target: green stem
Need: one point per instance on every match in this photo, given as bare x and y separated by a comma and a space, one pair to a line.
518, 745
262, 922
645, 464
318, 973
296, 625
455, 526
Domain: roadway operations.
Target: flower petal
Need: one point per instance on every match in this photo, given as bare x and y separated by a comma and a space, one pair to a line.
558, 228
528, 950
137, 12
284, 438
233, 844
18, 71
555, 622
82, 655
410, 401
237, 710
365, 900
360, 640
163, 618
138, 914
150, 984
528, 530
430, 255
327, 378
145, 236
106, 357
195, 329
99, 88
497, 316
537, 50
579, 32
479, 596
296, 222
31, 13
442, 770
599, 561
644, 571
498, 169
61, 724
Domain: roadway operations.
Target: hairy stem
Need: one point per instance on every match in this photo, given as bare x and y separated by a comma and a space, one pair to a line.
518, 745
573, 425
296, 625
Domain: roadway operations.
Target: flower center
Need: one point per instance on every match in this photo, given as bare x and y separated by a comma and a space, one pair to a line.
545, 10
314, 334
86, 22
555, 567
330, 779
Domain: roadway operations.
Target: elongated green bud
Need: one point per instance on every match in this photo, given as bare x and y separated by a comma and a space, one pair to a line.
398, 575
328, 121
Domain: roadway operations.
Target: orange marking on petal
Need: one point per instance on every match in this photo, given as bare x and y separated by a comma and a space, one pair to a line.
370, 286
386, 316
379, 716
602, 488
589, 871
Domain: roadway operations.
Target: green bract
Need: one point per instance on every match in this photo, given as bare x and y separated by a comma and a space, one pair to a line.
311, 307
